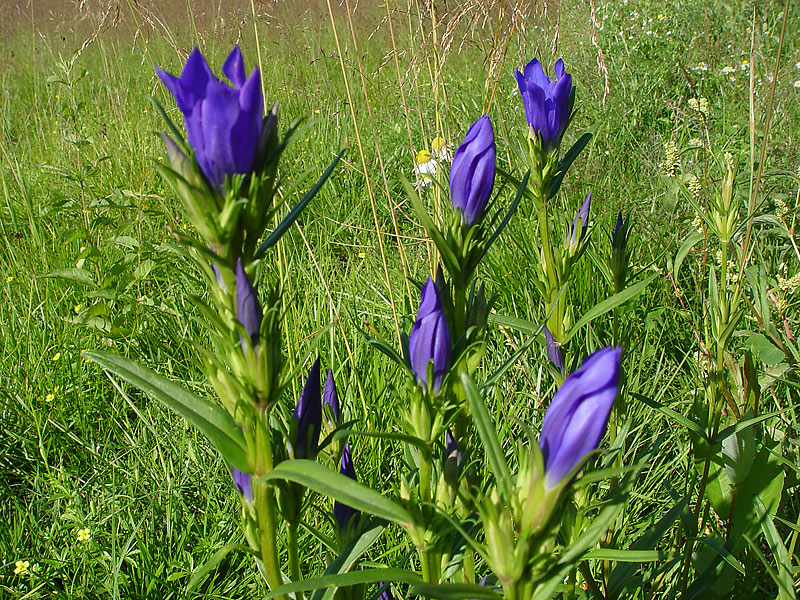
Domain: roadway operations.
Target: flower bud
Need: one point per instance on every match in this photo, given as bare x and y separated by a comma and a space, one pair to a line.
223, 122
429, 339
554, 353
308, 416
547, 102
330, 399
248, 308
473, 171
243, 482
576, 418
345, 515
580, 224
619, 253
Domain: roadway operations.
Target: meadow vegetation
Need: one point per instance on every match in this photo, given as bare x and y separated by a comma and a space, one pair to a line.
106, 493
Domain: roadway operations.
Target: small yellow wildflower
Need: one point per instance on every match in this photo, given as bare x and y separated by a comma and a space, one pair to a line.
82, 535
21, 567
49, 397
9, 279
423, 156
78, 308
316, 111
361, 255
56, 356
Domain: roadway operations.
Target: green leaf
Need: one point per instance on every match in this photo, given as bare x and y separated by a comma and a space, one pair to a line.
723, 553
350, 555
784, 578
566, 162
200, 574
210, 418
630, 556
448, 256
346, 580
289, 219
511, 210
671, 414
609, 304
685, 248
454, 591
322, 480
419, 444
488, 435
744, 424
76, 275
176, 135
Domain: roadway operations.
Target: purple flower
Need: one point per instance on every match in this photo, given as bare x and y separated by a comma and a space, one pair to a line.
386, 592
576, 418
248, 308
580, 224
473, 170
345, 515
243, 482
223, 123
330, 398
547, 102
308, 416
429, 339
554, 353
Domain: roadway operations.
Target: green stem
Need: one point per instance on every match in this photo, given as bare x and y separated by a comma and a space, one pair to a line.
459, 309
294, 563
265, 505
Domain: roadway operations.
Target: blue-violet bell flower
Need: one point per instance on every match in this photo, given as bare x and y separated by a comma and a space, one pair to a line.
473, 170
223, 122
308, 416
554, 353
243, 482
342, 513
547, 102
429, 339
330, 398
577, 417
248, 308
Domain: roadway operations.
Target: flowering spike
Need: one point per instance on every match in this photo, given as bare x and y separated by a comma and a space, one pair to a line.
473, 171
345, 515
429, 339
554, 353
330, 398
243, 482
223, 123
308, 416
547, 102
248, 308
576, 418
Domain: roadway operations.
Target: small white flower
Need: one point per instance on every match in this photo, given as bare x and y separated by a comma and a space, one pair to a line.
425, 170
728, 70
796, 84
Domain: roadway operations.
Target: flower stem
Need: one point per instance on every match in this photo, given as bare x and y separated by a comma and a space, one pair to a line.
294, 563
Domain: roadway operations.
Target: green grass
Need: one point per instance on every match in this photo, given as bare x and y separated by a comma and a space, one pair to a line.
78, 141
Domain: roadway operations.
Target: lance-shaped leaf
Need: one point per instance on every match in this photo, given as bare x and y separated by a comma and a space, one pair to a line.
318, 478
211, 419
